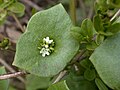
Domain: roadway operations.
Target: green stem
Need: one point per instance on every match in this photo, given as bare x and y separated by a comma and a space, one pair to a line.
73, 11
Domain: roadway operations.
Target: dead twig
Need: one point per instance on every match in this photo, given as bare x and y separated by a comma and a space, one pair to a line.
18, 22
13, 75
116, 14
11, 69
60, 76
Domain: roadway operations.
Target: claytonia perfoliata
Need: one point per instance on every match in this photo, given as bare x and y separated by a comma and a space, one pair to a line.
47, 47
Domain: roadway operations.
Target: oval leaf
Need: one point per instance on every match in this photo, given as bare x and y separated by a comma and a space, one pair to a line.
106, 59
54, 23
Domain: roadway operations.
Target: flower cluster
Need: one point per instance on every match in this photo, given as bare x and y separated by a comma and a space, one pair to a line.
46, 47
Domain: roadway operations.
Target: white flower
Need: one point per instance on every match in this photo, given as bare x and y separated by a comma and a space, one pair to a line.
46, 46
47, 40
44, 52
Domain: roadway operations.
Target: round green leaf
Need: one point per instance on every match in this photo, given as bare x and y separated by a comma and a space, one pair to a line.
16, 7
106, 59
59, 86
54, 23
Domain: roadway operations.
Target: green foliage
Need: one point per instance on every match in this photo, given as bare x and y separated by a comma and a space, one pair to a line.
20, 7
10, 6
76, 33
89, 74
114, 28
88, 29
100, 84
98, 24
114, 3
59, 86
86, 63
4, 43
34, 82
106, 61
3, 83
77, 82
43, 24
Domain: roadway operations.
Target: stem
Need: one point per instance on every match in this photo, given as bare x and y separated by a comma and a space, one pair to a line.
18, 22
7, 76
10, 69
79, 56
73, 11
116, 14
60, 76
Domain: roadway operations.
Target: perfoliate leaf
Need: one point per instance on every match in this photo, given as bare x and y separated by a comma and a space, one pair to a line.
59, 86
106, 60
100, 84
34, 82
56, 24
16, 7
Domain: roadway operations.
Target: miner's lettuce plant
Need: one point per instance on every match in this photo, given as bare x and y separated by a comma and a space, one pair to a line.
42, 25
51, 41
89, 53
